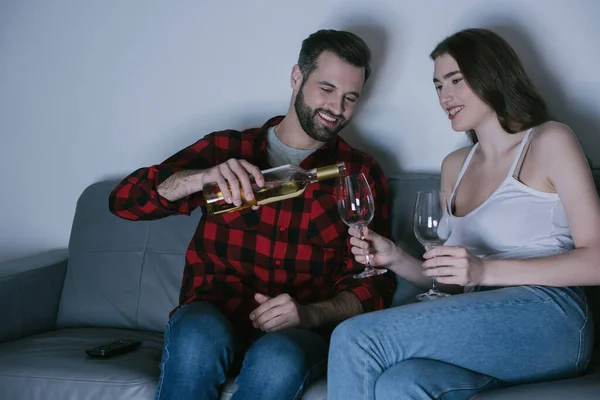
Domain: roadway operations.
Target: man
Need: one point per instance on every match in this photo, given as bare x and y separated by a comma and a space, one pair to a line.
263, 288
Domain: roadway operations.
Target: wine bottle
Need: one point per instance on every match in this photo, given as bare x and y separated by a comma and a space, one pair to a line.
284, 182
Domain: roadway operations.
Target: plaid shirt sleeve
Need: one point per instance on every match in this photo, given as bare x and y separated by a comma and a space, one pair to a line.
374, 293
136, 197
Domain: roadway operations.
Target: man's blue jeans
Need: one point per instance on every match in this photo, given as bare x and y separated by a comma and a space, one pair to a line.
455, 347
201, 346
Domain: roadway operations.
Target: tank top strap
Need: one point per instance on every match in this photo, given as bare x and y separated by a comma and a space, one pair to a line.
462, 170
516, 166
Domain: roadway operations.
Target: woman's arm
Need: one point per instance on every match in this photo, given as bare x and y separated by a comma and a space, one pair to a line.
556, 149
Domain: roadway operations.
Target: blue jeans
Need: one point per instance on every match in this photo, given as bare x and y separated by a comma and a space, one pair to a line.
455, 347
201, 346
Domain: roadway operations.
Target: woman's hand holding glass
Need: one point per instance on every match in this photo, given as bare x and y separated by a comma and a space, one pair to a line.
454, 265
380, 250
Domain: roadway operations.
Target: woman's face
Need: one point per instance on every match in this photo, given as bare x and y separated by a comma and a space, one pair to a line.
464, 109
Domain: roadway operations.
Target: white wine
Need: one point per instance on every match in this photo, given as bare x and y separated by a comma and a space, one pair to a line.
281, 183
271, 192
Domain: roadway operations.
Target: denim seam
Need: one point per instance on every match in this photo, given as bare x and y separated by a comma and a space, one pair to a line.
578, 367
366, 374
308, 374
485, 381
166, 359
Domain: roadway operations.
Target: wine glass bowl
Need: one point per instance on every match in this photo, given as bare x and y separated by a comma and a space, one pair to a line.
356, 208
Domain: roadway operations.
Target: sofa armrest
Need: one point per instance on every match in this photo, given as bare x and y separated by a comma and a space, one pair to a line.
30, 290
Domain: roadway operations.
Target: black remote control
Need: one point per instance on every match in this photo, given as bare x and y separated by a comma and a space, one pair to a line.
114, 348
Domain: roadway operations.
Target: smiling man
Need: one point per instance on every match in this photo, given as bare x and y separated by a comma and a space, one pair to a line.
263, 288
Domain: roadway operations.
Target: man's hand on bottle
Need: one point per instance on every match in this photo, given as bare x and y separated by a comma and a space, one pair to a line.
280, 312
234, 174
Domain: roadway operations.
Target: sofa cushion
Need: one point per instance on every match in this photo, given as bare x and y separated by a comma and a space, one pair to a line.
54, 365
582, 388
403, 193
121, 273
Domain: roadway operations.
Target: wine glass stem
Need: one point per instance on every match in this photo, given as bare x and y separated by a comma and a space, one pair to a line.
433, 280
368, 256
368, 264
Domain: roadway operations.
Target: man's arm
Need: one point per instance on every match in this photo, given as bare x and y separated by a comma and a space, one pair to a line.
283, 311
331, 312
181, 184
137, 197
229, 175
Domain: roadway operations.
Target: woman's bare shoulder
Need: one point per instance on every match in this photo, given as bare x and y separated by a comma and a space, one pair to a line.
554, 134
455, 160
555, 142
452, 165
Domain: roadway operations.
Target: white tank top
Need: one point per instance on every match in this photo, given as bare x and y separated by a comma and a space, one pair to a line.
515, 222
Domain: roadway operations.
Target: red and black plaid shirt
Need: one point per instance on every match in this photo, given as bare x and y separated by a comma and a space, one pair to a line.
298, 246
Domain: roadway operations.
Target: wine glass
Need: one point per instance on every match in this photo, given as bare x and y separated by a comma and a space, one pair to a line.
356, 208
432, 228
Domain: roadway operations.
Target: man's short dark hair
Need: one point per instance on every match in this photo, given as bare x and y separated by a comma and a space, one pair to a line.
346, 45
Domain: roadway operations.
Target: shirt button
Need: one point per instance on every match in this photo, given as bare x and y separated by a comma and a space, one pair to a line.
281, 228
277, 262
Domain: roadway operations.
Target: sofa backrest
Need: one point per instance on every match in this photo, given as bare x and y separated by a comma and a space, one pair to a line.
128, 274
122, 273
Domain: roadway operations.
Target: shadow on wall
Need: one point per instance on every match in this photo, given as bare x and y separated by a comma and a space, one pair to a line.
372, 26
567, 108
194, 129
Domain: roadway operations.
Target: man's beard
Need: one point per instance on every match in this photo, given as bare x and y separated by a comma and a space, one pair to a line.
308, 120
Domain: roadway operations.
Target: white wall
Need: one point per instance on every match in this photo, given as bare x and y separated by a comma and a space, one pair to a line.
95, 89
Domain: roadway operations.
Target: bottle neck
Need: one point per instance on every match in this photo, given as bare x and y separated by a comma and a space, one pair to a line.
328, 172
312, 175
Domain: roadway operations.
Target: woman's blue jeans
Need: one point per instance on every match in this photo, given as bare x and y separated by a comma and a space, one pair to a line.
455, 347
201, 346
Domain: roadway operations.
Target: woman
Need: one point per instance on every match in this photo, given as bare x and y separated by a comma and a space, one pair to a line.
525, 219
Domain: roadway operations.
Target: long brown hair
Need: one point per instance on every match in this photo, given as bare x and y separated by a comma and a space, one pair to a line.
494, 72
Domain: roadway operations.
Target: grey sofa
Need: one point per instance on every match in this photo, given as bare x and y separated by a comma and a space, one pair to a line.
119, 280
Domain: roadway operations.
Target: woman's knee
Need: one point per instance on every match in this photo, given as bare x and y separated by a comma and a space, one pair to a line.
348, 333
